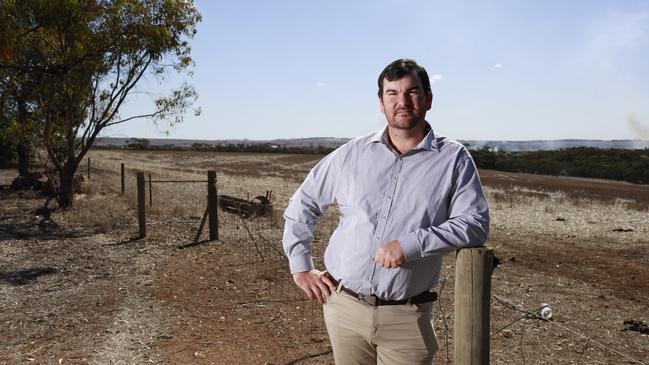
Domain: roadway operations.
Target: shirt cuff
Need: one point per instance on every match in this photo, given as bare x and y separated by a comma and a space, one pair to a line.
410, 246
301, 263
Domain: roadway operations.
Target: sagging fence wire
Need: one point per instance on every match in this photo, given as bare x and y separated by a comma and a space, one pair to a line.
526, 313
252, 237
536, 314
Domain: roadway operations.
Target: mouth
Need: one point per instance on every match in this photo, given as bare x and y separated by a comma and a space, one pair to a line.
403, 112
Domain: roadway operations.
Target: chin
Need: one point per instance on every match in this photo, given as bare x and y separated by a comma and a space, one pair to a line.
404, 125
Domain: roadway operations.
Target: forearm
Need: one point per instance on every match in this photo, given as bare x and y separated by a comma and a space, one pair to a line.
297, 242
455, 233
467, 225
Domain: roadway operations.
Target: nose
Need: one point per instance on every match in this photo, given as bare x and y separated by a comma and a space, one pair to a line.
403, 99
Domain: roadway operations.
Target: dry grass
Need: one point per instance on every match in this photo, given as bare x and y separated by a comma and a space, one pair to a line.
577, 244
635, 196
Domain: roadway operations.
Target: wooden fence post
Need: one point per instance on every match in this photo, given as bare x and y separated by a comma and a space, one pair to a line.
150, 192
473, 268
122, 170
141, 193
212, 205
88, 168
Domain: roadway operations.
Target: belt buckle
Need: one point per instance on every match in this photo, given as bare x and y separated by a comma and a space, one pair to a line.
369, 299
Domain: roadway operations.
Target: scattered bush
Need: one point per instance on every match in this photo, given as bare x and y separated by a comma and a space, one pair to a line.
614, 164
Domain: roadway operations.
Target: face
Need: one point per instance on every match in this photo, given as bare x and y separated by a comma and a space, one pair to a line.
405, 102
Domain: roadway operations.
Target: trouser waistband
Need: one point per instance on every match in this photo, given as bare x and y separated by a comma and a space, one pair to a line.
423, 297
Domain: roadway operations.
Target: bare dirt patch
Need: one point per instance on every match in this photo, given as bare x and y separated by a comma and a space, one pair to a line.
77, 288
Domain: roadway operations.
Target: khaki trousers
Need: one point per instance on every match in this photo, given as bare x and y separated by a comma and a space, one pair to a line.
390, 334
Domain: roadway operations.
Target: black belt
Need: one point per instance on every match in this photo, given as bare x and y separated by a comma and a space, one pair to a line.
424, 297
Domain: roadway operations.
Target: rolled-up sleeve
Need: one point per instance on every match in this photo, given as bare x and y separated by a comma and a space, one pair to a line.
468, 222
309, 202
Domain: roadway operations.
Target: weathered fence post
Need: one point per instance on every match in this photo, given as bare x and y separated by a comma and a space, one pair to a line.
473, 269
140, 203
122, 170
150, 192
212, 205
88, 168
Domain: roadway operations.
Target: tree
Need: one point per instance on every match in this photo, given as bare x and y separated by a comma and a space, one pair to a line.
89, 55
16, 88
138, 143
7, 145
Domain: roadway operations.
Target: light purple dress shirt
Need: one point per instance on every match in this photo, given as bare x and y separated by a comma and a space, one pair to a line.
429, 199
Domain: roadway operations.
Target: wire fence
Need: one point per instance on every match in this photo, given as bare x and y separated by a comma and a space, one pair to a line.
256, 242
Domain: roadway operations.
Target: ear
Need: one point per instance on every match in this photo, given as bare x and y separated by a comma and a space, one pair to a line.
429, 100
381, 105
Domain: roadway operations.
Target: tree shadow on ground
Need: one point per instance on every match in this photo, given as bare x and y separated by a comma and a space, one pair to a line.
24, 277
37, 231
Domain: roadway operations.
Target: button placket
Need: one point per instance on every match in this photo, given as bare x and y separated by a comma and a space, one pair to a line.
385, 209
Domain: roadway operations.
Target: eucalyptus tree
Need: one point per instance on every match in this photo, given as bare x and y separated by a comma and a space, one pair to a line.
7, 124
88, 57
16, 86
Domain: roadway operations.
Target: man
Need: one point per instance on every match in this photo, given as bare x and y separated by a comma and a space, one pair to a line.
406, 197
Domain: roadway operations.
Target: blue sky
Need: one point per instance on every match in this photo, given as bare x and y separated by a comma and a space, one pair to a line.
504, 70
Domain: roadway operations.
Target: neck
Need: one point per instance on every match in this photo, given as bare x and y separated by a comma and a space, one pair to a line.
403, 140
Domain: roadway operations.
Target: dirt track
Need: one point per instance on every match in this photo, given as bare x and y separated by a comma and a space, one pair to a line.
77, 289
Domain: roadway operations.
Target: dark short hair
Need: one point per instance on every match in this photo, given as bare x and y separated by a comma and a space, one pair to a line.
401, 68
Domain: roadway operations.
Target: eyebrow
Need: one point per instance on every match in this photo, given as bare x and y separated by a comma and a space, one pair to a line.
407, 90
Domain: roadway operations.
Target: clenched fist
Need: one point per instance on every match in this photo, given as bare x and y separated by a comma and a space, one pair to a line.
390, 255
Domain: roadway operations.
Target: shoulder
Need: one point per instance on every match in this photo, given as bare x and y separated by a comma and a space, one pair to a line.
352, 147
363, 140
451, 148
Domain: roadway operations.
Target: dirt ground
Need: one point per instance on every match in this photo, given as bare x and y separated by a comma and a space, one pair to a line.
77, 287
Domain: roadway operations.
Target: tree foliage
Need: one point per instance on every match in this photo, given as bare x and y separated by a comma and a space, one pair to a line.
85, 58
16, 87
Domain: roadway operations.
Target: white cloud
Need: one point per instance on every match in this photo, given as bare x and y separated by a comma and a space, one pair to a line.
435, 77
320, 84
498, 65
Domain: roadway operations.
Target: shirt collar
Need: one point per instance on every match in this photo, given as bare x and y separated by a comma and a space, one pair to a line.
428, 143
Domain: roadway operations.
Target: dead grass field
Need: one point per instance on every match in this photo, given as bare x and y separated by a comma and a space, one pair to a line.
78, 289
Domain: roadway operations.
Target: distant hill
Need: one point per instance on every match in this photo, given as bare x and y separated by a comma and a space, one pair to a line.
552, 145
331, 142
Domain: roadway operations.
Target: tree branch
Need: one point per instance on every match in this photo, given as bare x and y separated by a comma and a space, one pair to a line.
134, 77
150, 115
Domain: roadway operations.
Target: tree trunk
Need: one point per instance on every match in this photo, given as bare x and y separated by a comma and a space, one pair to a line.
23, 158
66, 186
23, 147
